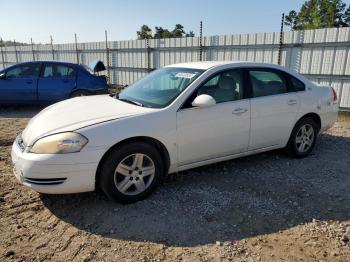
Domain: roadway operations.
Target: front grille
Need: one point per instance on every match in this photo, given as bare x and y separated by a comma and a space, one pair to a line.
43, 181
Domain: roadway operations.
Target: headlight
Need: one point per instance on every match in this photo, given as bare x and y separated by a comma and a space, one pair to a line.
62, 143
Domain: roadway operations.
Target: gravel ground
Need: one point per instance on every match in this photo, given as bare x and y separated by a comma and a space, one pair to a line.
266, 207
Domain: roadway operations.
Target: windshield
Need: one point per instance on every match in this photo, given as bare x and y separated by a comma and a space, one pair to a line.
161, 87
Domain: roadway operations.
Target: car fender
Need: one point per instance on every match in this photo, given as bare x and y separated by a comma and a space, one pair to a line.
105, 135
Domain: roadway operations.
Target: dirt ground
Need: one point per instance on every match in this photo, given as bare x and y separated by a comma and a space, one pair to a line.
266, 207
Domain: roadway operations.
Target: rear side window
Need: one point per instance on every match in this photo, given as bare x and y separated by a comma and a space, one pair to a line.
58, 71
267, 82
296, 84
23, 71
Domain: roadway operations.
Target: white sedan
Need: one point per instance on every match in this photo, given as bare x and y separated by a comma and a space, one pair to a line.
176, 118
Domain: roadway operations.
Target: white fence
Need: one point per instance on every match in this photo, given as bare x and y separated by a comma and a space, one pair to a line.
321, 55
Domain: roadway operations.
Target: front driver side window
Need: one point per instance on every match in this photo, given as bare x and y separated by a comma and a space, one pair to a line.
13, 73
224, 87
23, 71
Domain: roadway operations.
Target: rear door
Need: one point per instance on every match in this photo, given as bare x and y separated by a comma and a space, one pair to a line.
20, 84
56, 82
273, 108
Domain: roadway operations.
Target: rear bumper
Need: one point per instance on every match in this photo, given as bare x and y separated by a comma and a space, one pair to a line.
329, 118
55, 174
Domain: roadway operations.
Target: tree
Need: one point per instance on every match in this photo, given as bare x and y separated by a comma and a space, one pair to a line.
144, 33
315, 14
11, 43
160, 32
178, 31
346, 16
331, 13
292, 19
190, 34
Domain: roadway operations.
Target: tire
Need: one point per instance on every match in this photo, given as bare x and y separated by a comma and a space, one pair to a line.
303, 138
131, 172
78, 93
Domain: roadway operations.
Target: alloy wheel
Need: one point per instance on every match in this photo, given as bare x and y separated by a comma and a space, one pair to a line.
305, 138
134, 174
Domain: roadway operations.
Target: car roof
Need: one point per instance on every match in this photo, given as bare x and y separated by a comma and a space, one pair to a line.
211, 64
48, 61
205, 65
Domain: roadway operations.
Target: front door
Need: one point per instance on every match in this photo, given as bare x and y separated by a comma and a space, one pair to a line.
216, 131
19, 85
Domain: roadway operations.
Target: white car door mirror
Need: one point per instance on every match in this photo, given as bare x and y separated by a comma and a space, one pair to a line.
203, 101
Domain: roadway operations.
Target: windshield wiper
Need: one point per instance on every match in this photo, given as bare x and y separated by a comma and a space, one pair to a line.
130, 101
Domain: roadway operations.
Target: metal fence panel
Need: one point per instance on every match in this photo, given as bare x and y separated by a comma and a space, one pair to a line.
322, 55
345, 95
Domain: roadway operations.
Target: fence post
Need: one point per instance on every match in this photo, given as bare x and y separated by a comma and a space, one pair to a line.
148, 55
31, 43
107, 53
281, 41
76, 48
14, 45
52, 50
200, 41
2, 53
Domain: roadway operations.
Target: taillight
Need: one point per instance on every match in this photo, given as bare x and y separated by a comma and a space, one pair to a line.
334, 95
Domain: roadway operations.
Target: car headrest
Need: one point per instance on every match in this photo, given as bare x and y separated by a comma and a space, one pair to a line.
226, 82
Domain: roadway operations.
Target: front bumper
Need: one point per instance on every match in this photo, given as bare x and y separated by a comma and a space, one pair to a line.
55, 173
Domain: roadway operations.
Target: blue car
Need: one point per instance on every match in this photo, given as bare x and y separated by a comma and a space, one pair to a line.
47, 82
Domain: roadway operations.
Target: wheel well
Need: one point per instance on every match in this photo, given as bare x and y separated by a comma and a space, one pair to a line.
152, 141
314, 117
78, 90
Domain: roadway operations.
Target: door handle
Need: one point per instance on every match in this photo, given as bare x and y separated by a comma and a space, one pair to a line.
65, 81
239, 111
292, 102
29, 81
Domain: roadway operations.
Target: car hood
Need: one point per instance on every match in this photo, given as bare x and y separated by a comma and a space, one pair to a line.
75, 113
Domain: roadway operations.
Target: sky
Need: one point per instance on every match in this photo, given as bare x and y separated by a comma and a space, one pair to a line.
38, 19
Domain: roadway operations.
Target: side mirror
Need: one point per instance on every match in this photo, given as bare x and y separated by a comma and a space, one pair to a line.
2, 76
203, 101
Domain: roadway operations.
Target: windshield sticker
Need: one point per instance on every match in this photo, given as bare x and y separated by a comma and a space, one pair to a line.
185, 75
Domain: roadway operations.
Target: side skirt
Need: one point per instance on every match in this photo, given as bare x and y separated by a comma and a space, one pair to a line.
223, 158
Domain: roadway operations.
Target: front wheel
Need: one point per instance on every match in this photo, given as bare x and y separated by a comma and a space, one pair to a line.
303, 138
131, 172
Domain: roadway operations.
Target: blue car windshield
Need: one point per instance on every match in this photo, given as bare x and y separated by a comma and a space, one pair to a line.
159, 88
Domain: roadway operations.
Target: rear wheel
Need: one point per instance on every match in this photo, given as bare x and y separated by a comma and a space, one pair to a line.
303, 138
131, 172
